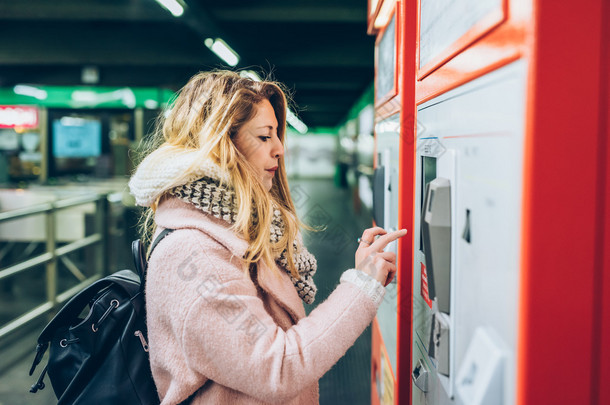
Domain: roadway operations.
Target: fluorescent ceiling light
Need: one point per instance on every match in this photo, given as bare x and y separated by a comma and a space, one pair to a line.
127, 96
222, 50
84, 96
151, 104
296, 123
250, 74
172, 6
30, 91
91, 98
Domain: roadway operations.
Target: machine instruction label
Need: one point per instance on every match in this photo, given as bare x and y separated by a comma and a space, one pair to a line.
424, 286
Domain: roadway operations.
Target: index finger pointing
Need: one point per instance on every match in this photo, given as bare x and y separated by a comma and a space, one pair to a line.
383, 241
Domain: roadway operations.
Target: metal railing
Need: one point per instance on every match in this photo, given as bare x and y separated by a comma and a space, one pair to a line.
53, 254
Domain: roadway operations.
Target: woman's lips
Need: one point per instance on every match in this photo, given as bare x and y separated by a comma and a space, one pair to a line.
272, 170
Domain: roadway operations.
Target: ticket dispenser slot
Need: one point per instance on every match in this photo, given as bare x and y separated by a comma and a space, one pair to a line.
438, 347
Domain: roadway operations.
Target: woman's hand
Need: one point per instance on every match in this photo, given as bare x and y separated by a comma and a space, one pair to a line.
370, 257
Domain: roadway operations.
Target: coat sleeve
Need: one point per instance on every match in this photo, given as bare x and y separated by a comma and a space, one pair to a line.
228, 336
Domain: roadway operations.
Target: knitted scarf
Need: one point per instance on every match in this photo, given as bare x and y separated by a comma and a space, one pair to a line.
207, 195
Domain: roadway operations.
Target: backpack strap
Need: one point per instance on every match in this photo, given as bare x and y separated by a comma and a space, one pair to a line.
139, 254
158, 239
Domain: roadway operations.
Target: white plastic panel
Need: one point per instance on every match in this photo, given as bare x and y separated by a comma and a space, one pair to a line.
476, 134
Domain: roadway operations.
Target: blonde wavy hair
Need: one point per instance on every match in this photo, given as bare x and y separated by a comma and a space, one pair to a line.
205, 118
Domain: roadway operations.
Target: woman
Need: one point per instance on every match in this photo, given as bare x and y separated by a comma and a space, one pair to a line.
224, 290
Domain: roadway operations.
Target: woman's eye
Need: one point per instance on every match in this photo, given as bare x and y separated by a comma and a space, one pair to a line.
264, 138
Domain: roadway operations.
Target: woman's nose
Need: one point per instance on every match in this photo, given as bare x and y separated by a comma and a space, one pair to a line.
278, 149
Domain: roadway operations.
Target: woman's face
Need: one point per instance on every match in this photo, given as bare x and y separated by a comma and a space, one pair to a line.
257, 140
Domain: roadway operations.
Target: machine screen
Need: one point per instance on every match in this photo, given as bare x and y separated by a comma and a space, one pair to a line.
429, 174
77, 138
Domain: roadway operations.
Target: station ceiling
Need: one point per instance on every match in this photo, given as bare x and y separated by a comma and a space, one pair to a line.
318, 48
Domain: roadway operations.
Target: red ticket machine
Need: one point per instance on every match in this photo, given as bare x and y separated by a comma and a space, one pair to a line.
392, 326
492, 142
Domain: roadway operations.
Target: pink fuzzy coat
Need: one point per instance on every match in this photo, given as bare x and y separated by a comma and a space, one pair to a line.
215, 333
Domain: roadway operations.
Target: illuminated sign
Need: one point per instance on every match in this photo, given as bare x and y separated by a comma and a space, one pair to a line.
22, 117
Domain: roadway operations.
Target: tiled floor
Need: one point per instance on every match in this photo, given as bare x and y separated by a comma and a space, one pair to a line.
318, 202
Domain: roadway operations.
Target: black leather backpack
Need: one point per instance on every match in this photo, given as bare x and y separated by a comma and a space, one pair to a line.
101, 358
